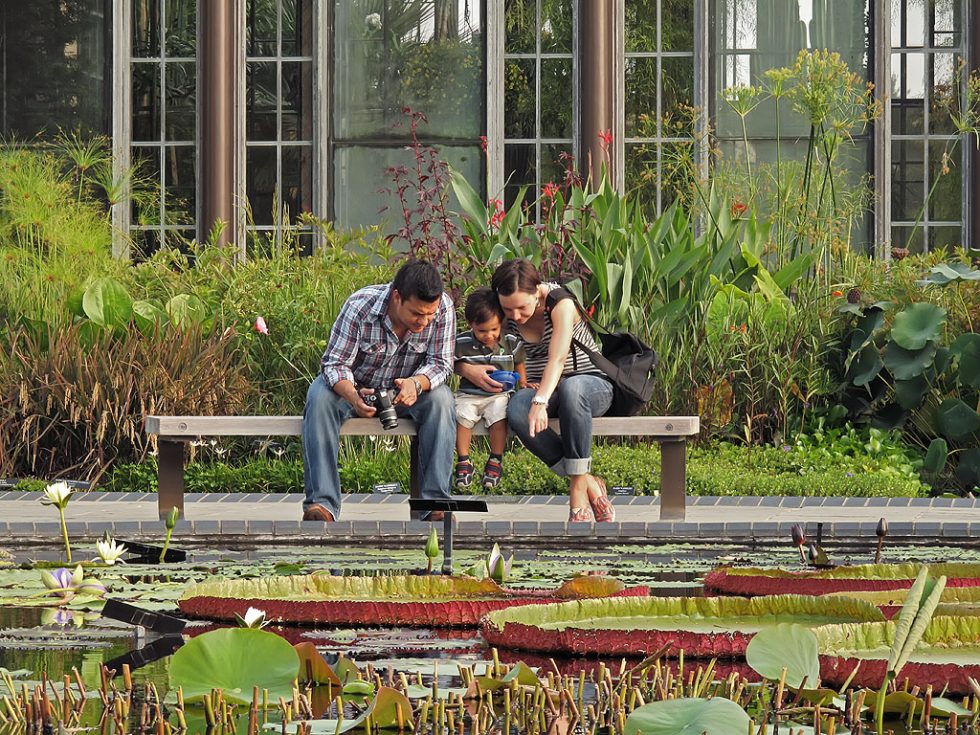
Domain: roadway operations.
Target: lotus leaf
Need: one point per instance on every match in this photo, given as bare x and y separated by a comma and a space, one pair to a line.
957, 420
901, 702
313, 667
390, 709
968, 468
688, 716
785, 646
867, 365
907, 364
234, 660
944, 273
967, 348
909, 393
632, 625
918, 325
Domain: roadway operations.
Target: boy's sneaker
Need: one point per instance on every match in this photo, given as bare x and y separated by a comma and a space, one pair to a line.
464, 474
492, 473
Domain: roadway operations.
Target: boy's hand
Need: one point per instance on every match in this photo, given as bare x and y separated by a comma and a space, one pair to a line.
479, 375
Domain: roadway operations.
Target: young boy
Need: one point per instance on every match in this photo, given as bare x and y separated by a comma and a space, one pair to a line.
484, 345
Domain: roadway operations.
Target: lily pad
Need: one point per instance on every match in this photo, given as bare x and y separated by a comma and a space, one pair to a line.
788, 647
688, 716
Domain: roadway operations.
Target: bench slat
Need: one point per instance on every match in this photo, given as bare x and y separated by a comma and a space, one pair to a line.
191, 426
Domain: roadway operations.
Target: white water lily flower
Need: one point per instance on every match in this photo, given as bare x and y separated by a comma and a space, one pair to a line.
254, 618
57, 494
109, 551
373, 21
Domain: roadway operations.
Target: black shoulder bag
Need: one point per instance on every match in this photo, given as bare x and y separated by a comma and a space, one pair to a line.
625, 359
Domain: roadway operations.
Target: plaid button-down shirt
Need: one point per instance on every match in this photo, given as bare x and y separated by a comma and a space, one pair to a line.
364, 349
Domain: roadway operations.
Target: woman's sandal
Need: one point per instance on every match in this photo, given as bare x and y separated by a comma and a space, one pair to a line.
580, 515
602, 507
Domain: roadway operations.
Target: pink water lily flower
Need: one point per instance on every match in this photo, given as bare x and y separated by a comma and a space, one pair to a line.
260, 326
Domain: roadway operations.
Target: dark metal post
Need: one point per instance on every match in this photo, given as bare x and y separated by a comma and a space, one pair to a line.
597, 72
673, 461
217, 89
170, 477
447, 543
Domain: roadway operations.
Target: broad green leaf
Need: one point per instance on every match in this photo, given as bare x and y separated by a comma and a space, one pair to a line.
968, 468
688, 716
785, 646
313, 667
956, 419
967, 348
186, 309
469, 200
866, 367
148, 316
907, 364
936, 456
909, 393
918, 325
234, 660
107, 303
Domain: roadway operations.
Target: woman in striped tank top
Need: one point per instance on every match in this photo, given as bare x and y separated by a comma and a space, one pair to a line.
566, 385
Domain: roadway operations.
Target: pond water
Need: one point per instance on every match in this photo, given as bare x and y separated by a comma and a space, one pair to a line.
36, 639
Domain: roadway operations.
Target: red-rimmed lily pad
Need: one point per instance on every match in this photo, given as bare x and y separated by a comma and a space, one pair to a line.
946, 657
954, 600
700, 626
752, 581
408, 600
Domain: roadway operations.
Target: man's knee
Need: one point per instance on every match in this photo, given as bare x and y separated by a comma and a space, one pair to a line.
321, 401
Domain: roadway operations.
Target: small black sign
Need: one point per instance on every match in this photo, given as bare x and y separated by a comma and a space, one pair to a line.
620, 490
387, 488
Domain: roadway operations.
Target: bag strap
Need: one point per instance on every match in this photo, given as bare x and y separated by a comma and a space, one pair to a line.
560, 294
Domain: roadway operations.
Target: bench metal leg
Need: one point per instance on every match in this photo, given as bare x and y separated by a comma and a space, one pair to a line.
413, 474
673, 475
170, 477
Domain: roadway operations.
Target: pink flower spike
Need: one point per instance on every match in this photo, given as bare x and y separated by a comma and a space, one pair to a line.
260, 326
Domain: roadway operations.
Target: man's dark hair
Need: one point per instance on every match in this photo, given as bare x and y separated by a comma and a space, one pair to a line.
482, 305
418, 278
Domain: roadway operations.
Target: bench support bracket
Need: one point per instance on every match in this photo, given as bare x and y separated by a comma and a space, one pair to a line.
673, 470
170, 477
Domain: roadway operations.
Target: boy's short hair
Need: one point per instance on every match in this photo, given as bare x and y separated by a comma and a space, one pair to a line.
482, 305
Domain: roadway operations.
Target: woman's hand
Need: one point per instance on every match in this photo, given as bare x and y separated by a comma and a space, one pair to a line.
537, 418
479, 375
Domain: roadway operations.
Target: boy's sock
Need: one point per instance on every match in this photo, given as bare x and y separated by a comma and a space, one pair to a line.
498, 457
463, 458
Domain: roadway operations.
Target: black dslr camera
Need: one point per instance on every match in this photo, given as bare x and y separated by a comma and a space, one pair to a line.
381, 400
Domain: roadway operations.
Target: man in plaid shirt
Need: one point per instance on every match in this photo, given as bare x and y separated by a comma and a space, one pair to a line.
400, 337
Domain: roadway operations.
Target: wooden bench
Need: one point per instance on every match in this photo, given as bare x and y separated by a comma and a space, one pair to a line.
173, 432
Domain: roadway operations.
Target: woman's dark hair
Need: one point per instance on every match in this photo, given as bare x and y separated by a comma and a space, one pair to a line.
418, 278
515, 275
482, 305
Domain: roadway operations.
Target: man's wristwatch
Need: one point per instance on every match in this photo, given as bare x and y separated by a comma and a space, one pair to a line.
418, 386
539, 401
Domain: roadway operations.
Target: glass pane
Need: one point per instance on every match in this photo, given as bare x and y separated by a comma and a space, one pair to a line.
519, 97
678, 86
146, 101
146, 199
947, 22
907, 237
557, 162
944, 236
261, 27
146, 28
359, 173
181, 28
679, 172
908, 93
641, 174
290, 29
260, 183
426, 56
641, 25
181, 184
556, 98
145, 243
297, 180
678, 25
520, 169
297, 100
181, 92
946, 202
641, 98
260, 100
942, 93
178, 238
556, 26
908, 23
521, 20
54, 67
908, 186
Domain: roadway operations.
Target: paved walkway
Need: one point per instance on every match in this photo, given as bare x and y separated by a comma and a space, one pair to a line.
246, 517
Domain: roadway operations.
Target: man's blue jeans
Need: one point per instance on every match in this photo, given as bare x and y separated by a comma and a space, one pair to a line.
576, 401
435, 419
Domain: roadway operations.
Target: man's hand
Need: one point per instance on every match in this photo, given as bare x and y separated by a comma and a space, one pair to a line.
479, 375
408, 392
361, 408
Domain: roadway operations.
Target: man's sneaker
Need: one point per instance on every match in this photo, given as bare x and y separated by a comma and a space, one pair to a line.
464, 474
317, 512
492, 473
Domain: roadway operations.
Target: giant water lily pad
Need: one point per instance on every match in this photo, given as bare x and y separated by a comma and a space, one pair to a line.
953, 600
946, 657
751, 581
388, 600
718, 626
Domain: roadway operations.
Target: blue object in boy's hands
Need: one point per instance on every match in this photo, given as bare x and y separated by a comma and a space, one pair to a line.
507, 378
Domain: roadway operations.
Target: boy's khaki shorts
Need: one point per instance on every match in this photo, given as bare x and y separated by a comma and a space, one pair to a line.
471, 408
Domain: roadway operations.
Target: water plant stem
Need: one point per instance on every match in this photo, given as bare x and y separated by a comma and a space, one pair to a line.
64, 534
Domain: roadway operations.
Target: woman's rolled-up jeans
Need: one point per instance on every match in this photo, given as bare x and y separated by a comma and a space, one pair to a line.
576, 401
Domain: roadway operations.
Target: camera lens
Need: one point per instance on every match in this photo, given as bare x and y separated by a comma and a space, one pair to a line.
386, 412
